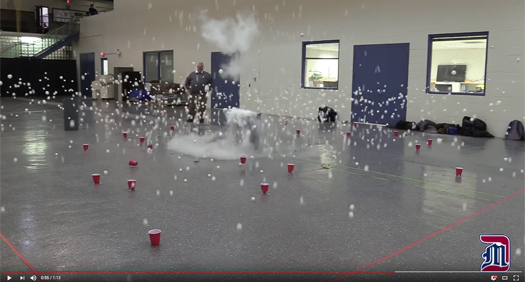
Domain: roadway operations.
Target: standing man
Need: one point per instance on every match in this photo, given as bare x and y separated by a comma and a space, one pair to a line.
198, 85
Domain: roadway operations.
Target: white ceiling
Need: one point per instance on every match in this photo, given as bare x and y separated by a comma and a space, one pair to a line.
460, 44
324, 47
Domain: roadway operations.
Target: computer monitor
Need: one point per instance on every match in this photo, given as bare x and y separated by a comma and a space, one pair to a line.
451, 73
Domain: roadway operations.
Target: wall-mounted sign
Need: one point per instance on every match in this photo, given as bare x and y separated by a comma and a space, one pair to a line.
60, 15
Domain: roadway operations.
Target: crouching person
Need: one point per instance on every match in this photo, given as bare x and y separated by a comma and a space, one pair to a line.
326, 114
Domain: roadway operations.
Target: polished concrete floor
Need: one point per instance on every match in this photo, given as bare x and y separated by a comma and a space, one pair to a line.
381, 207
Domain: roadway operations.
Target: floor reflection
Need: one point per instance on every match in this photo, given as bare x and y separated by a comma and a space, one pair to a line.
35, 149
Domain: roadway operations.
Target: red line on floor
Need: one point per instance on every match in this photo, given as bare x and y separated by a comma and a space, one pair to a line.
20, 256
430, 236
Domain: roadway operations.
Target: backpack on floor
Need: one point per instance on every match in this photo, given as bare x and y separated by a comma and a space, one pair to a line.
515, 131
474, 127
452, 130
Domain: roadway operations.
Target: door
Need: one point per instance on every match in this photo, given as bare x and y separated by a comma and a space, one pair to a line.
118, 89
129, 81
380, 81
226, 92
87, 73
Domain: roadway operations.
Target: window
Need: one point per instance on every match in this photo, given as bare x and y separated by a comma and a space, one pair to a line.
42, 16
321, 64
44, 20
158, 66
166, 66
104, 66
457, 63
151, 66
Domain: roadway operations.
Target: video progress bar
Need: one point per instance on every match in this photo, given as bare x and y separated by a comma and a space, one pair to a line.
268, 271
202, 271
417, 271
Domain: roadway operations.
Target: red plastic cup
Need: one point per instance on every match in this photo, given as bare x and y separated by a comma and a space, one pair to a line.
429, 142
418, 146
290, 168
96, 178
125, 134
172, 127
133, 162
142, 139
396, 133
131, 184
298, 131
150, 146
459, 171
264, 188
348, 134
86, 147
154, 237
243, 159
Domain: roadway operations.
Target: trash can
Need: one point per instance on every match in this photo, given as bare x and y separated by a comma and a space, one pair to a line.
71, 120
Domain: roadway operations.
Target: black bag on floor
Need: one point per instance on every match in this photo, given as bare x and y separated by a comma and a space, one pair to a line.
326, 114
515, 131
405, 125
474, 127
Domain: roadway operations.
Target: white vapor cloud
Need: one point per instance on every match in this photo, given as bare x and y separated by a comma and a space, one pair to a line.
232, 36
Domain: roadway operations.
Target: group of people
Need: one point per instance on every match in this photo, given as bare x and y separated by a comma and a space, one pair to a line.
199, 85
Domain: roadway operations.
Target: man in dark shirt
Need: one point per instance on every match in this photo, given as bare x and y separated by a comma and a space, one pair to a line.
92, 10
198, 85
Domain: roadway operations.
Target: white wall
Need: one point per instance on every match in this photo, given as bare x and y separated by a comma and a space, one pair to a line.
275, 58
474, 59
29, 5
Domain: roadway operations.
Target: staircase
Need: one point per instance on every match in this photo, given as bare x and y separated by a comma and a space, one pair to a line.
56, 42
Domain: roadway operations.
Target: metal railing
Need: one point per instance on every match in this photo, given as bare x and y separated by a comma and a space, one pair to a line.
25, 49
